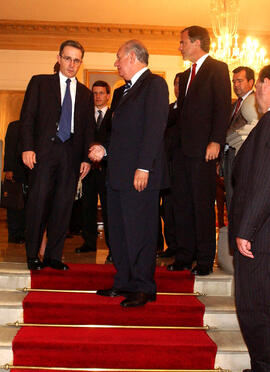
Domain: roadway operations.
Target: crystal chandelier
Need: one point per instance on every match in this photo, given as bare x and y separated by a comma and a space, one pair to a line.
224, 14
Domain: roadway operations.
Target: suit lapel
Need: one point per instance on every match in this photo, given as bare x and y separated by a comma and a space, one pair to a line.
132, 91
56, 88
199, 76
78, 99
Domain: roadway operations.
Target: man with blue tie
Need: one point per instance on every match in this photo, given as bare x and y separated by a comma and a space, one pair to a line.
57, 128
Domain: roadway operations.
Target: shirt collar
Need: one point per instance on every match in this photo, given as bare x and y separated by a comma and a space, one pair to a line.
246, 95
137, 75
63, 78
200, 61
103, 109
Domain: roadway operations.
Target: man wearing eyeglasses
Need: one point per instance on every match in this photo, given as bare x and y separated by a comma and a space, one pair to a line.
57, 128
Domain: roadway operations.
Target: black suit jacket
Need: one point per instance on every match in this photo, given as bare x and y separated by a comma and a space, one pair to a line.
13, 159
250, 209
139, 120
102, 136
41, 112
204, 111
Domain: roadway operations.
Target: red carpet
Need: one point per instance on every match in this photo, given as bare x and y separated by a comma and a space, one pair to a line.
120, 348
111, 348
66, 308
92, 277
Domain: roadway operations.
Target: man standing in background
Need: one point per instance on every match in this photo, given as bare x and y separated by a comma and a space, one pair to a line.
15, 171
204, 104
94, 184
57, 128
244, 117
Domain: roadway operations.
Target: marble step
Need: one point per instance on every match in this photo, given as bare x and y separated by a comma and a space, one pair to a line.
220, 312
16, 275
218, 283
232, 352
231, 355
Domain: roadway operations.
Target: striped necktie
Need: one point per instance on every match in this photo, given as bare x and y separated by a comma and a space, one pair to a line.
127, 86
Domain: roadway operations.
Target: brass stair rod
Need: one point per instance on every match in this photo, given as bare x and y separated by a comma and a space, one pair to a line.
18, 324
9, 366
25, 289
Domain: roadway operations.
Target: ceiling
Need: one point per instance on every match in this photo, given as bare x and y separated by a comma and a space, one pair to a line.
254, 16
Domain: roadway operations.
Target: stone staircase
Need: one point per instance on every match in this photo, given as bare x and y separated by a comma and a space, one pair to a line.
219, 315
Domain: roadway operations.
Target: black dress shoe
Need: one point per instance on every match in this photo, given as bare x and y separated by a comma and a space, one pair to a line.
113, 292
202, 270
109, 258
55, 264
138, 299
168, 253
34, 264
17, 240
178, 266
85, 248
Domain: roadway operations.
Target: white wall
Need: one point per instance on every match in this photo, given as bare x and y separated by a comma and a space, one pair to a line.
17, 66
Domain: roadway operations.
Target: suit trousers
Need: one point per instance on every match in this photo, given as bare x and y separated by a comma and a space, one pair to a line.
16, 223
50, 200
94, 184
194, 192
167, 214
228, 160
252, 287
133, 231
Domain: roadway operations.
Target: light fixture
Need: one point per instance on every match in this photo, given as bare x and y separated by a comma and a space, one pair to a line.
224, 14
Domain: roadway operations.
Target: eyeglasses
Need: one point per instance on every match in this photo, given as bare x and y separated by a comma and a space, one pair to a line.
69, 60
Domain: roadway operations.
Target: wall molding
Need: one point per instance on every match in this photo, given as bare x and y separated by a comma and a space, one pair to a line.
97, 37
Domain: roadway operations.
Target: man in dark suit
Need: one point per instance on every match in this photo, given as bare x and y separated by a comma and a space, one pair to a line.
15, 171
166, 208
57, 128
204, 108
249, 231
136, 173
94, 184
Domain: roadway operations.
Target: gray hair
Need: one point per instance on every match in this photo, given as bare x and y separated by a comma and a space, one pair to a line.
139, 49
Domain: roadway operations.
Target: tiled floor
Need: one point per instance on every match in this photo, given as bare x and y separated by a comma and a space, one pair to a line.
10, 252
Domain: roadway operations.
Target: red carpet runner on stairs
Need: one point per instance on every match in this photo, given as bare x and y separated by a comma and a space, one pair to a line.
111, 347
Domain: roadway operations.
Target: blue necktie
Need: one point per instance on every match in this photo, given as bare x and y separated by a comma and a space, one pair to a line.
65, 118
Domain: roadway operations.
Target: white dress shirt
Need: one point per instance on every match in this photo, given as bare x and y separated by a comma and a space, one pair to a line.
73, 87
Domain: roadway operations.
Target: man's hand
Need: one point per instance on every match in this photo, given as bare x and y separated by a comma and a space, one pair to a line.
9, 175
212, 151
140, 180
96, 153
29, 159
244, 247
84, 169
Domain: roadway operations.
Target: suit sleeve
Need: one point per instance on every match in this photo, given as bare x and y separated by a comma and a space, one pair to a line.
29, 114
221, 91
155, 121
90, 126
256, 207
